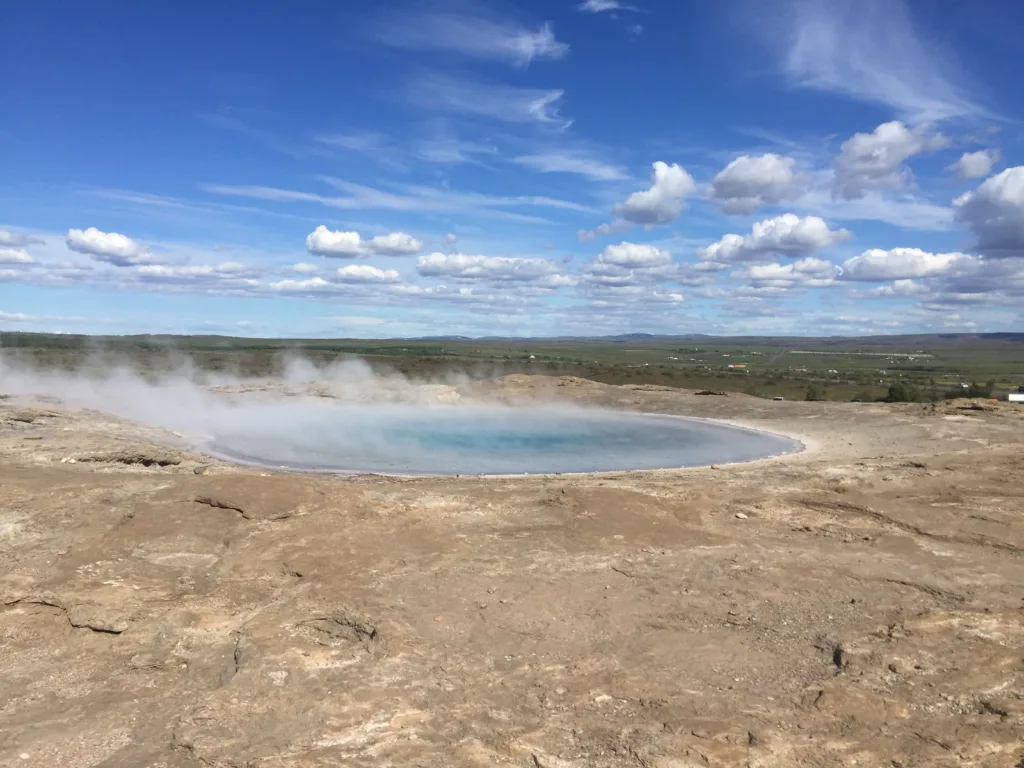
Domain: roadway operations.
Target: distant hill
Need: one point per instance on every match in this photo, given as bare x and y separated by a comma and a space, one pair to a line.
28, 339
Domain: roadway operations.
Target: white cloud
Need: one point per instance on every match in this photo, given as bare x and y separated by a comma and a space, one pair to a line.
440, 147
15, 256
982, 280
507, 103
875, 160
229, 273
10, 239
902, 210
17, 317
478, 36
662, 203
469, 296
994, 212
325, 242
111, 247
975, 165
376, 146
363, 273
412, 197
602, 230
449, 150
349, 245
619, 267
309, 285
571, 162
809, 273
786, 235
394, 244
465, 267
747, 183
600, 6
633, 256
899, 289
450, 239
867, 50
899, 264
305, 269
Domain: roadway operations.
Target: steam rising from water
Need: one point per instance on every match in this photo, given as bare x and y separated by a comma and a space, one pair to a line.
346, 417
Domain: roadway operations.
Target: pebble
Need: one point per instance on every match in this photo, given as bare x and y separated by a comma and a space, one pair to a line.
741, 516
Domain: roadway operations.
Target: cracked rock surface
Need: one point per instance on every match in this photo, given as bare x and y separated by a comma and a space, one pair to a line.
861, 603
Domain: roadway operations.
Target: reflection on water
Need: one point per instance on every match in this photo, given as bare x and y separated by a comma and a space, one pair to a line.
466, 440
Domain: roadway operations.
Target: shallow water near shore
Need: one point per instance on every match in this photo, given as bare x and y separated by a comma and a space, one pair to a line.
481, 440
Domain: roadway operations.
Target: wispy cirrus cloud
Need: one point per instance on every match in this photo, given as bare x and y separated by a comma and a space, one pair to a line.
573, 162
469, 30
603, 6
869, 50
506, 103
438, 146
408, 197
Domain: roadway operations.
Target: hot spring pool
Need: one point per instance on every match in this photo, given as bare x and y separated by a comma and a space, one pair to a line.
477, 440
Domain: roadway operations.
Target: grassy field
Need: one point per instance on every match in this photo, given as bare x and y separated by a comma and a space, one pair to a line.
829, 368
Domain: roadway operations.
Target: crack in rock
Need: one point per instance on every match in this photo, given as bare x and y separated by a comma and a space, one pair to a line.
74, 617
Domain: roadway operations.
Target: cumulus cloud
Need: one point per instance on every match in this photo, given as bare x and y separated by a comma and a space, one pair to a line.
309, 285
363, 273
663, 201
10, 239
349, 245
15, 256
466, 267
395, 244
994, 212
632, 264
899, 289
229, 272
110, 247
982, 281
875, 160
479, 35
975, 165
808, 273
786, 235
602, 230
877, 265
305, 269
633, 256
747, 183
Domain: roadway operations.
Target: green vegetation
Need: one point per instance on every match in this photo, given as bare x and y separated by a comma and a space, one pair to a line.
895, 368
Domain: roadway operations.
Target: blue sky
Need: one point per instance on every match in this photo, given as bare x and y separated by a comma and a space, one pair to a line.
333, 168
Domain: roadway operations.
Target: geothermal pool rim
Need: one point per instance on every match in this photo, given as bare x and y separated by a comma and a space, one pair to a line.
719, 442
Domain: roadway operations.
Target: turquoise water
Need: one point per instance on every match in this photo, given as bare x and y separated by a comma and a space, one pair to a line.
474, 440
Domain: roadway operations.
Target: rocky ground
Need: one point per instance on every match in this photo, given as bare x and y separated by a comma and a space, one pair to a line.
861, 603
